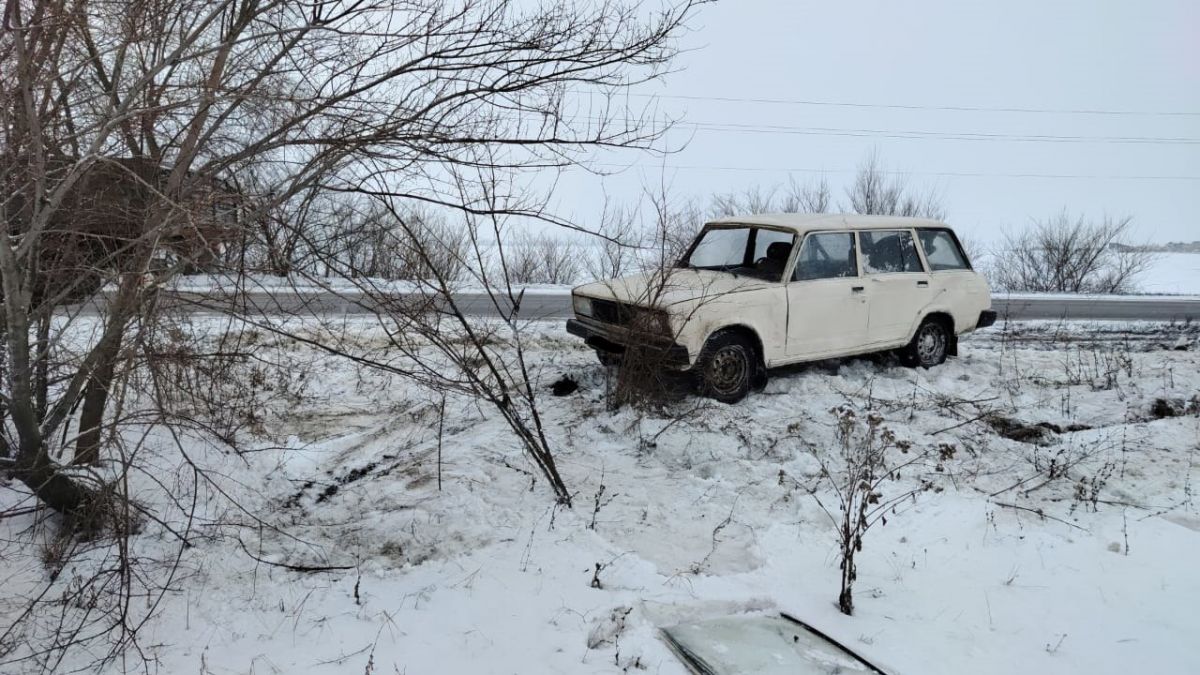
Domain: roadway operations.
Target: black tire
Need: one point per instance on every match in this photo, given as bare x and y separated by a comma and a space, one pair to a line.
928, 347
728, 366
608, 359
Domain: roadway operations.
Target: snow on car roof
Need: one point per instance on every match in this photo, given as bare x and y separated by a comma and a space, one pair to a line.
805, 222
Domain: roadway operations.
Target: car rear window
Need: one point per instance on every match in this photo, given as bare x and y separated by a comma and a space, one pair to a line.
888, 251
942, 250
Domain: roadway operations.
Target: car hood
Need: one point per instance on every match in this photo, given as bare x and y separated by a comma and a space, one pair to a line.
679, 286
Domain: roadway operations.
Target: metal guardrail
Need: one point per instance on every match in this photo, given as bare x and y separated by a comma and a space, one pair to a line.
1098, 307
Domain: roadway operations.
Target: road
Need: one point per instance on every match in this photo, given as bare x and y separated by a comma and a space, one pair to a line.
555, 304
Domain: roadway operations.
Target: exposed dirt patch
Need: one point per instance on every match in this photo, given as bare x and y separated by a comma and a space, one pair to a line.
1068, 429
329, 491
1039, 433
1174, 407
564, 386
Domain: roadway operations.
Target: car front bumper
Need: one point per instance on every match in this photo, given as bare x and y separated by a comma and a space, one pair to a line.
615, 340
986, 318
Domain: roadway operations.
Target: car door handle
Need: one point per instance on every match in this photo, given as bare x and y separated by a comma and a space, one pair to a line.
857, 289
923, 284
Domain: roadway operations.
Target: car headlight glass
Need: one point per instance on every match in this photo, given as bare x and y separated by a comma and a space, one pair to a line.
582, 305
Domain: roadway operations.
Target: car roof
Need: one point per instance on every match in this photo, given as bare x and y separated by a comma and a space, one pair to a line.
807, 222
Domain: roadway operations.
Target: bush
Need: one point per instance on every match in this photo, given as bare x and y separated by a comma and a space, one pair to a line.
869, 456
1062, 254
542, 259
384, 248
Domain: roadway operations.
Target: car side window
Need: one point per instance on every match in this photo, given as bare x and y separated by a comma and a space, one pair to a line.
889, 251
765, 238
827, 255
772, 249
942, 250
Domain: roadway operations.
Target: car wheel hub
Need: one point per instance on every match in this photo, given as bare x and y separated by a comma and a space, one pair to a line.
727, 369
930, 344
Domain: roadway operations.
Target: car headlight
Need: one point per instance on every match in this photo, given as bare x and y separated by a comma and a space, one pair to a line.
582, 305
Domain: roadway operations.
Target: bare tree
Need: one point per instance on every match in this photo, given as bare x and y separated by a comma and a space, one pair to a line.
542, 259
206, 90
754, 199
811, 197
671, 229
617, 245
975, 250
179, 104
876, 191
371, 244
1065, 254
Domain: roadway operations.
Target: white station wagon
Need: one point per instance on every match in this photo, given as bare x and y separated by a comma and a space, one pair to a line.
755, 292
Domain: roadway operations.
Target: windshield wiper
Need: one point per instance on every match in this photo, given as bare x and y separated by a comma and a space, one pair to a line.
728, 269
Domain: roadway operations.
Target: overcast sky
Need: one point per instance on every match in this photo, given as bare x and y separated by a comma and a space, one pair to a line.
904, 66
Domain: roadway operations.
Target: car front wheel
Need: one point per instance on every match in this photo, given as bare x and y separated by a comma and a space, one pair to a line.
928, 347
728, 367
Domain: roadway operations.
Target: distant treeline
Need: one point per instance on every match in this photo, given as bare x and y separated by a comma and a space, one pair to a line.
1172, 247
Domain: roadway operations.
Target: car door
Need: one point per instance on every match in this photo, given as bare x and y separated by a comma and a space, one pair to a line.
955, 287
826, 298
897, 285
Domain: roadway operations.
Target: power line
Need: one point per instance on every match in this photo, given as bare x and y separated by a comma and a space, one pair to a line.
904, 134
909, 134
942, 174
937, 135
951, 108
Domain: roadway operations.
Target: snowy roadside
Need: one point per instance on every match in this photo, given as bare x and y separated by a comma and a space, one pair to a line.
695, 510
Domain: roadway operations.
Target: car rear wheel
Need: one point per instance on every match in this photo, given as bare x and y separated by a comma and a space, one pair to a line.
928, 347
728, 367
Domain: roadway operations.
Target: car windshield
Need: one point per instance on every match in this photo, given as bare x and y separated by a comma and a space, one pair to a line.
742, 250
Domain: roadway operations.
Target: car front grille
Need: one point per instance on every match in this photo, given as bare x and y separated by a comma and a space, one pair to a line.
612, 312
646, 323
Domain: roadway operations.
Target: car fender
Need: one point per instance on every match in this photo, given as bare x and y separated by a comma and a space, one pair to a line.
960, 313
770, 346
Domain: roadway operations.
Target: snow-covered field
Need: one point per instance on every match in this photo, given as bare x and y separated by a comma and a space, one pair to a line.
1172, 273
698, 509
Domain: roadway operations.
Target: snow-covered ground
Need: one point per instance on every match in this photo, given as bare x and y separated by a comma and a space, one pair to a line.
702, 511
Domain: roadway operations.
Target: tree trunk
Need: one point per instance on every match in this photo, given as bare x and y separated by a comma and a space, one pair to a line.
95, 394
846, 597
95, 400
849, 573
41, 382
40, 474
5, 450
